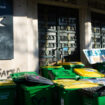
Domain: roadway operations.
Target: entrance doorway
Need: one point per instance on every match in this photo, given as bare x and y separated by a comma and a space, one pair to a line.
58, 34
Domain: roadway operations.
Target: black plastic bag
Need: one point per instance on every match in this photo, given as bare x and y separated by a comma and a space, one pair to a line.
38, 79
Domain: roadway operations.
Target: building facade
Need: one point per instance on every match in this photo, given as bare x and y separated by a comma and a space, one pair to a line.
38, 32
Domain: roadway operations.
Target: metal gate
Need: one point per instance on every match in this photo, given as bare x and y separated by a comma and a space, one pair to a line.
98, 30
58, 34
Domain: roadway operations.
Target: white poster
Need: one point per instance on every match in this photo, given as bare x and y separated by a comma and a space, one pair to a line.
95, 55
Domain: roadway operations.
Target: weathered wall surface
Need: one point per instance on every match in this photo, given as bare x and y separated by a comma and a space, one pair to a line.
25, 39
25, 33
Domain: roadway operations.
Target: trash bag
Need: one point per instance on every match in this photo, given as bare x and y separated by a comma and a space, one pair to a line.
20, 77
100, 81
93, 92
26, 77
38, 79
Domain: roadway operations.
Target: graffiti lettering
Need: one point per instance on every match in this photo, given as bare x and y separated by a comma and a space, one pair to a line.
6, 73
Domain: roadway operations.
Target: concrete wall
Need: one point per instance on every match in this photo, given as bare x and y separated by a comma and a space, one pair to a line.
85, 29
25, 39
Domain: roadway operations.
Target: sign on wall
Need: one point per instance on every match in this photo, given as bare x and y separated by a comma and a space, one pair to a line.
6, 29
95, 55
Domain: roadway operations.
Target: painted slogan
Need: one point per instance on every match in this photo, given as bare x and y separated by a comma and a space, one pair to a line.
5, 73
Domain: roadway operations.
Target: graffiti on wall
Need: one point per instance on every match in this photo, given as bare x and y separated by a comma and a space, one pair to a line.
5, 73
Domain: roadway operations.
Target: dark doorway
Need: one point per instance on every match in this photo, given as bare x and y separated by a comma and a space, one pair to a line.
98, 30
58, 34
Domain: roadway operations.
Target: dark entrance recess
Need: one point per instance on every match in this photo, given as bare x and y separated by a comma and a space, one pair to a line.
58, 34
6, 29
98, 30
